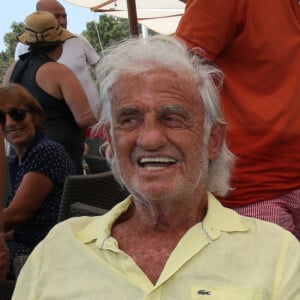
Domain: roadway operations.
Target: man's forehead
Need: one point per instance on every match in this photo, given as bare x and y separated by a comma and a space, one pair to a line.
52, 7
159, 79
155, 89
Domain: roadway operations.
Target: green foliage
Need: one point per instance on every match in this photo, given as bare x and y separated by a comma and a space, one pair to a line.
10, 39
110, 30
106, 32
5, 62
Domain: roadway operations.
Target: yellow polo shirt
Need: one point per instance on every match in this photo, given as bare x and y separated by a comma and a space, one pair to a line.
225, 257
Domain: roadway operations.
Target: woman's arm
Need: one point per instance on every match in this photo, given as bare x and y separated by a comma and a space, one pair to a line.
32, 192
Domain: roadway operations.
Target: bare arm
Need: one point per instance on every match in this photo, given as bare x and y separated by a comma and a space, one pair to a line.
64, 85
27, 200
75, 97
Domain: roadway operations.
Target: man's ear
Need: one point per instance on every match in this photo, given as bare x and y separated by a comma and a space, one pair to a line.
216, 140
107, 137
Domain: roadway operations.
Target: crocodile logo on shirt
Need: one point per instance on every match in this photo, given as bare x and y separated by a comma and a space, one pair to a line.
204, 293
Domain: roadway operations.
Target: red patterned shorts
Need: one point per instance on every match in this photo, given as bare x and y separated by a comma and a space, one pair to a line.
283, 210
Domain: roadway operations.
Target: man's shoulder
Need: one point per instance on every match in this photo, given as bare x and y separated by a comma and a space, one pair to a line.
267, 231
69, 228
88, 228
76, 40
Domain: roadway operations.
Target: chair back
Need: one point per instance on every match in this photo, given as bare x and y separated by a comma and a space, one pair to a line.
94, 145
99, 190
6, 289
96, 164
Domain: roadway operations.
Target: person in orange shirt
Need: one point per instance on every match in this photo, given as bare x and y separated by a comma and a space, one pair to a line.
256, 45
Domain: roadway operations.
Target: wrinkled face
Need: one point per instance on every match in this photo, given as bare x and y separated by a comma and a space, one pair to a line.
157, 135
18, 133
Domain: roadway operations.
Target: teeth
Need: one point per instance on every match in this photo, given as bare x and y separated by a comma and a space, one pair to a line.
154, 168
157, 160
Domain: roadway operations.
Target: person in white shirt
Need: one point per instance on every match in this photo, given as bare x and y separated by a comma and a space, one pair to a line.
78, 54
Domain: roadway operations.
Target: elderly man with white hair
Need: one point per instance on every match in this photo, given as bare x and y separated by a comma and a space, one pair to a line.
171, 238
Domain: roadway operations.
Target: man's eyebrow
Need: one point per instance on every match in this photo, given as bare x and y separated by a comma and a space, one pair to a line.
125, 111
174, 109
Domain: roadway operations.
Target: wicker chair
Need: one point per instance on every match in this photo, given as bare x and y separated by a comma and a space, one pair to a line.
7, 289
96, 164
90, 194
94, 145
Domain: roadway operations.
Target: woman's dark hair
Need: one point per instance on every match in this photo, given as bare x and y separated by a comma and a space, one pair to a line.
44, 48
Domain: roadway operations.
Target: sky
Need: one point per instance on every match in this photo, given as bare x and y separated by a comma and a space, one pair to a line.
17, 10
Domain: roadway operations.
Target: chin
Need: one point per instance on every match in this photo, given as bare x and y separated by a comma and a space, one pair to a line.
155, 191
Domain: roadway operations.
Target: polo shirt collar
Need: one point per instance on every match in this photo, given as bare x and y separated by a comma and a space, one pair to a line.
219, 218
100, 227
216, 220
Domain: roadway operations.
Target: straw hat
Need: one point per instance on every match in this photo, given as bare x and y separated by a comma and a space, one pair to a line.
42, 28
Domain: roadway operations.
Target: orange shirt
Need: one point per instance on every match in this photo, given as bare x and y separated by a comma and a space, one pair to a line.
256, 43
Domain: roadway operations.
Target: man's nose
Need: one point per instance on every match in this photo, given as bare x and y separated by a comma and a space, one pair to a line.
152, 135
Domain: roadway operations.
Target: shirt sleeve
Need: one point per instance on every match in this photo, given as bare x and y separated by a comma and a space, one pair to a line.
207, 26
91, 55
286, 285
51, 160
20, 49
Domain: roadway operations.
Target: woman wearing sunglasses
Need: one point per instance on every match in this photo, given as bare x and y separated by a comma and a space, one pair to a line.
54, 85
37, 173
3, 247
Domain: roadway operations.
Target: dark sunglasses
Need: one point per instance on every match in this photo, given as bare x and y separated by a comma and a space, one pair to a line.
17, 114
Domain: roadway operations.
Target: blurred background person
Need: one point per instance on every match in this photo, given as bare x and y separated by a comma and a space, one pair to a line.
4, 259
78, 54
55, 86
257, 46
37, 173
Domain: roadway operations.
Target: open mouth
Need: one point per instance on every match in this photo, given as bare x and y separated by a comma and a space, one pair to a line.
156, 163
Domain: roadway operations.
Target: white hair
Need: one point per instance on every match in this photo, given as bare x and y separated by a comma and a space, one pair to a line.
136, 56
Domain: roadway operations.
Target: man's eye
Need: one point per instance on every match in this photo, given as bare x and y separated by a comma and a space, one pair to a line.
173, 121
129, 122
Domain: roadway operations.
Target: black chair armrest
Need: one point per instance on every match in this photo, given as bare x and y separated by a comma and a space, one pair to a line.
81, 209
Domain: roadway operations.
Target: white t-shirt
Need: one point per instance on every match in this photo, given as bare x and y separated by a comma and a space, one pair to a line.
78, 54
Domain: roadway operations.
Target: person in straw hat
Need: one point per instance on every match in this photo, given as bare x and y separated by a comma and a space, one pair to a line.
56, 87
78, 54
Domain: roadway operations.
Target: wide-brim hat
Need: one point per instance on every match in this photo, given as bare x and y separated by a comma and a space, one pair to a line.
41, 27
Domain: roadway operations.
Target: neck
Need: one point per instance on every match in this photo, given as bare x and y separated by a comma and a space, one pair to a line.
55, 53
166, 216
20, 151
